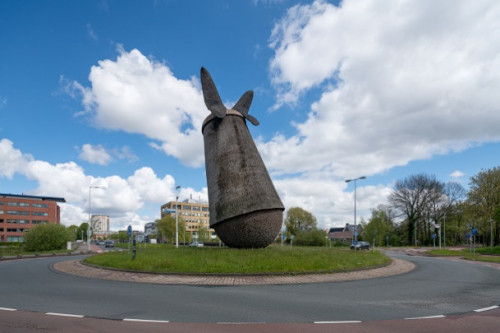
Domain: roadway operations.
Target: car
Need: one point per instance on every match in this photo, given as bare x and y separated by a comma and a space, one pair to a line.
197, 244
360, 246
109, 243
100, 242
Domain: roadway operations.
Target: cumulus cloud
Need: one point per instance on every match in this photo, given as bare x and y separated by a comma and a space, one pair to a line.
95, 154
400, 81
457, 174
139, 95
122, 199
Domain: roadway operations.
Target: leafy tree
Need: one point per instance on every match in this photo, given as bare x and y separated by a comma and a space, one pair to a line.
166, 228
299, 220
47, 237
412, 197
81, 232
73, 230
484, 195
311, 237
380, 225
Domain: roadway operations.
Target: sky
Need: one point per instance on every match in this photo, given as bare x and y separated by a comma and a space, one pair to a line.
101, 99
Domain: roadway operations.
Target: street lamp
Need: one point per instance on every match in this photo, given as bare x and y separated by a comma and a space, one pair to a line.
355, 229
491, 233
88, 225
177, 218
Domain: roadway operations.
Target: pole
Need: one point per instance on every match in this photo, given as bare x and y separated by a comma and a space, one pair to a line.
444, 231
177, 219
355, 227
491, 233
88, 225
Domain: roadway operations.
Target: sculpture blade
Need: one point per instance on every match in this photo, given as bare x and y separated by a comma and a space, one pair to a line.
252, 119
211, 95
243, 104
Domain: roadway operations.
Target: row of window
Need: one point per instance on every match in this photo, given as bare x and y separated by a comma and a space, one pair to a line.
20, 221
23, 212
25, 204
194, 214
186, 207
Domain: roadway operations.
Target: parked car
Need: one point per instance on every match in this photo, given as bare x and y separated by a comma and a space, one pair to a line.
197, 244
109, 243
360, 246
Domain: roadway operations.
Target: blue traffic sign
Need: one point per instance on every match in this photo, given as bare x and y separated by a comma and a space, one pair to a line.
129, 230
433, 236
474, 232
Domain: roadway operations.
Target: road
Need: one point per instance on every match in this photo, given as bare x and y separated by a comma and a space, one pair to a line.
437, 287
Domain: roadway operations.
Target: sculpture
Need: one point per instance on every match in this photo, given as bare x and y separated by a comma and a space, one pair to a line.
245, 209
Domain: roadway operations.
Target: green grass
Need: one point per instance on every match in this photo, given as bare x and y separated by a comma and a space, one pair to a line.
8, 251
273, 259
445, 252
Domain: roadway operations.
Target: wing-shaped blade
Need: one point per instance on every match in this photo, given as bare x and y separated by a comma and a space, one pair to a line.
211, 95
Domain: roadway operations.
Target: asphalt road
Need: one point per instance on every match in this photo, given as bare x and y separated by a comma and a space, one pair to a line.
436, 287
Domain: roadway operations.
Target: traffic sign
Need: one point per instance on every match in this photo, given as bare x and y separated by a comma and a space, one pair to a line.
433, 236
129, 230
474, 232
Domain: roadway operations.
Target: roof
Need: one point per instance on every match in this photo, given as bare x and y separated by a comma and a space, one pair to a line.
23, 196
341, 235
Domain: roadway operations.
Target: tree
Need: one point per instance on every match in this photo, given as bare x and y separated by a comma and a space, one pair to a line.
73, 230
380, 226
311, 237
412, 197
47, 237
166, 228
484, 195
299, 220
81, 232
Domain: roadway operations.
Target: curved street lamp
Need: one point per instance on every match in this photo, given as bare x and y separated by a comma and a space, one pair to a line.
355, 229
177, 218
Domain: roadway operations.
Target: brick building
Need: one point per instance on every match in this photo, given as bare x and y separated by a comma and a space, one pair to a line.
19, 213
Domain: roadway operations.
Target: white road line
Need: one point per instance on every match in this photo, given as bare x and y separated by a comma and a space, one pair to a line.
240, 323
487, 309
145, 320
338, 322
427, 317
7, 309
64, 315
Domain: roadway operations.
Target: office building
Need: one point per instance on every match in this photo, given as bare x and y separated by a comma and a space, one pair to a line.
19, 213
194, 214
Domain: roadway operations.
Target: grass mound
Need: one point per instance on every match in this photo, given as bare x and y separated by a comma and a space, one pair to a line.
270, 260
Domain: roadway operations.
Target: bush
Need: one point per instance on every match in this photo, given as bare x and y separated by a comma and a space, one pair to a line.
47, 237
313, 237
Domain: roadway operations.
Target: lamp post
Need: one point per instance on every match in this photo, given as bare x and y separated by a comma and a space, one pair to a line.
88, 225
176, 218
491, 233
355, 229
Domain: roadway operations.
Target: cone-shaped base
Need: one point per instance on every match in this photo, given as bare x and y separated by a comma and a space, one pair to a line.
253, 230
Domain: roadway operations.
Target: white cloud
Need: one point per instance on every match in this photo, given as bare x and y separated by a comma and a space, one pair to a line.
122, 199
457, 174
400, 81
139, 95
95, 154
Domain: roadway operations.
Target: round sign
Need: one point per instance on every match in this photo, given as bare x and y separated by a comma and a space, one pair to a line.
473, 232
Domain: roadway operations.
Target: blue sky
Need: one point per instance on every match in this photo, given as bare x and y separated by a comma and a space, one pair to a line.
107, 93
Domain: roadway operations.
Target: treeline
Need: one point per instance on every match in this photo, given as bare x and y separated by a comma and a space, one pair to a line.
420, 206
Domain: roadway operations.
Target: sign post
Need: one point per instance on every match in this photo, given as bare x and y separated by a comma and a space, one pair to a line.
129, 233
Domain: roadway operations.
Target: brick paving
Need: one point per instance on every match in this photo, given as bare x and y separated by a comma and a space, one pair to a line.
75, 267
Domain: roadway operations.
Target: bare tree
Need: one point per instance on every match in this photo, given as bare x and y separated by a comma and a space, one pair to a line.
413, 197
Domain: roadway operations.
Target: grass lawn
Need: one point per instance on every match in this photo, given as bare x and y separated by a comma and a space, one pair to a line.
7, 251
207, 260
482, 254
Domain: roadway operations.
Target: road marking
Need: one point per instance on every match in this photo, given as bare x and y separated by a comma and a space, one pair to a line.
487, 309
8, 309
427, 317
338, 322
64, 315
145, 320
240, 322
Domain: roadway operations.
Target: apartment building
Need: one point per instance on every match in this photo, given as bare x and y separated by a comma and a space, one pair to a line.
194, 213
19, 213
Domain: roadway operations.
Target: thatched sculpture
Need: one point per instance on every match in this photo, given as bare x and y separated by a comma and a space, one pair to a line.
245, 209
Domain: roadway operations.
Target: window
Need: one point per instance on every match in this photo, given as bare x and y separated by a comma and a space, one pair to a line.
40, 214
1, 211
205, 209
18, 204
16, 212
18, 221
39, 222
15, 239
196, 208
40, 205
186, 207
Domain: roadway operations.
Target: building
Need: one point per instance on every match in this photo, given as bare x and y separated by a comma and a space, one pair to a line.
150, 228
345, 234
194, 214
100, 223
19, 213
